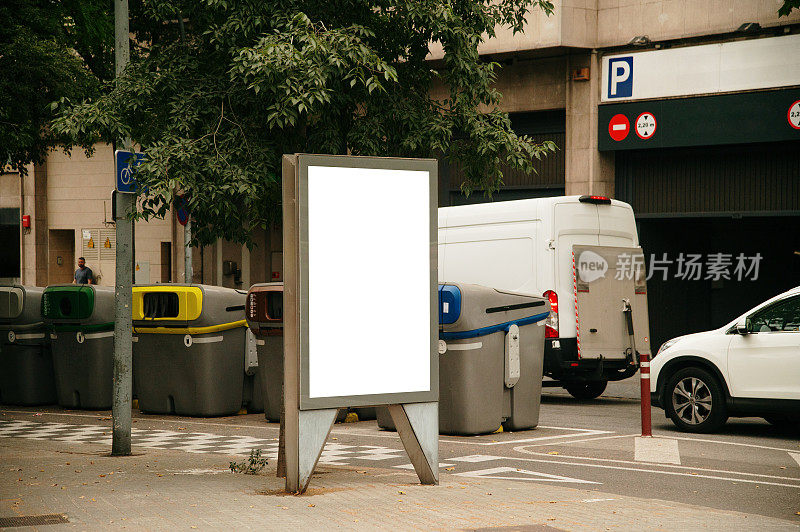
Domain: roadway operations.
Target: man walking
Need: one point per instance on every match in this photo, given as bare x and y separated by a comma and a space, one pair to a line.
83, 275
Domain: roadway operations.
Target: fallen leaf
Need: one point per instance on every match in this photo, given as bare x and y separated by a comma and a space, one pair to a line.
311, 505
449, 468
553, 452
101, 476
401, 492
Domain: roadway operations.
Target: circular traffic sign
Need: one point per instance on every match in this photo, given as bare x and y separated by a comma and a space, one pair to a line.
645, 125
619, 127
794, 115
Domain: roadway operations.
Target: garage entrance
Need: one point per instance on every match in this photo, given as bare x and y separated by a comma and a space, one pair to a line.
729, 200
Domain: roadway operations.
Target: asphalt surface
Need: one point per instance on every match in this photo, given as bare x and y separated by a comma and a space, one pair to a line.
749, 466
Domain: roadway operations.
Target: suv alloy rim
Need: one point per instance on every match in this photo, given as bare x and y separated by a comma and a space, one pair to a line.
691, 400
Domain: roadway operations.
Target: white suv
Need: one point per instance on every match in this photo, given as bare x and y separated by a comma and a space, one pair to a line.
749, 367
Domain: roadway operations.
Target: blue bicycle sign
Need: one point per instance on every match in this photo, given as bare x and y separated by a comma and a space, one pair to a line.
126, 163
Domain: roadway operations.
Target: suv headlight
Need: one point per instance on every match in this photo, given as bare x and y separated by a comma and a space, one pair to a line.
666, 345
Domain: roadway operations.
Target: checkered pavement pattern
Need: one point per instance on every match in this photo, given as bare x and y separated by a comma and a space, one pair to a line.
191, 442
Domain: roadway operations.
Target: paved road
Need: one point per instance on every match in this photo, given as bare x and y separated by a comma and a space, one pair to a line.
749, 466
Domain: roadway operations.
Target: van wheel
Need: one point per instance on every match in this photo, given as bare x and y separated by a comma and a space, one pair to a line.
694, 401
586, 390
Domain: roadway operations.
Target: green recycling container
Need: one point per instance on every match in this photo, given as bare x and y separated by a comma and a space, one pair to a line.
81, 321
26, 362
191, 353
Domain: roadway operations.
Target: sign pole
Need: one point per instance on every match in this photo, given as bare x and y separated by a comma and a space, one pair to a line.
187, 238
123, 356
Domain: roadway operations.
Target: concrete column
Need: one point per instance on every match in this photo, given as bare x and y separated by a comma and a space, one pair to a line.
218, 267
588, 171
34, 240
245, 268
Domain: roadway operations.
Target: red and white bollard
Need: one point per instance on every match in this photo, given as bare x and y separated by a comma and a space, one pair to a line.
644, 373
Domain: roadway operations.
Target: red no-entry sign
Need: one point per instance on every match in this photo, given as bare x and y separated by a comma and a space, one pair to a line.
619, 127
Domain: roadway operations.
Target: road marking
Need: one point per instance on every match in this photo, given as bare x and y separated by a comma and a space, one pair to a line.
731, 443
675, 473
475, 458
658, 450
532, 476
597, 500
612, 460
570, 442
582, 433
796, 457
411, 466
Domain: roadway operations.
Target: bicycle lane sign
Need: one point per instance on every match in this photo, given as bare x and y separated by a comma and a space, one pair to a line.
126, 163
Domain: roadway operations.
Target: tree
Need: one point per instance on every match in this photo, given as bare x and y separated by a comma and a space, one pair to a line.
220, 89
787, 7
48, 50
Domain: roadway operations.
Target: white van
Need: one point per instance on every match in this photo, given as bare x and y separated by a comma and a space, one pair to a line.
527, 246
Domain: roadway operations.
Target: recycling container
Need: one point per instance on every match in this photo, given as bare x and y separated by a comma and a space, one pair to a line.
190, 350
81, 320
491, 347
265, 319
26, 362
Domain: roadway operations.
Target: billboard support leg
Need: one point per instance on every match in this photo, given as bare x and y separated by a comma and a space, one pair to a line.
418, 427
306, 446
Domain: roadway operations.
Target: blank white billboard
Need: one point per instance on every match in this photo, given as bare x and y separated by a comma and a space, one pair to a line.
369, 281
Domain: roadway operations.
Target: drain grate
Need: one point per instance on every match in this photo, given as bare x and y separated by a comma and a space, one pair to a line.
33, 520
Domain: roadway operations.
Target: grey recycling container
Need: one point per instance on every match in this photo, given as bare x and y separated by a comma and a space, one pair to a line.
265, 319
190, 350
26, 362
491, 346
81, 320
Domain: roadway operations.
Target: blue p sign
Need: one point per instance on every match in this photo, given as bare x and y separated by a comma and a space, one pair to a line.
620, 77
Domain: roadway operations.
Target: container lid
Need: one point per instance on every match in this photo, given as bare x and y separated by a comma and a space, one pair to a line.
68, 302
167, 302
265, 303
12, 299
449, 304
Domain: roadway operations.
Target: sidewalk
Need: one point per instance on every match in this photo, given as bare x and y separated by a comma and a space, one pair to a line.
169, 489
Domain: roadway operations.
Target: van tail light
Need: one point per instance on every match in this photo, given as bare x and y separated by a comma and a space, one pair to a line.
551, 323
595, 200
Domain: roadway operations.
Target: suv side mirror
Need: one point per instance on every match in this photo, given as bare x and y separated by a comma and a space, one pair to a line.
742, 327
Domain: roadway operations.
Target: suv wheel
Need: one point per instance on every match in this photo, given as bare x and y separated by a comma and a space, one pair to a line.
694, 401
586, 390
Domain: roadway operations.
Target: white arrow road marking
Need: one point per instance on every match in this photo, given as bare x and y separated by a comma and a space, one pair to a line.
796, 457
532, 476
658, 450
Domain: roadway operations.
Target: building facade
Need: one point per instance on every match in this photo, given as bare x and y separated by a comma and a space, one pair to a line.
61, 210
689, 110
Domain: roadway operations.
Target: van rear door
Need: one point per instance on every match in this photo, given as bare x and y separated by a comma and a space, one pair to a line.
574, 223
606, 277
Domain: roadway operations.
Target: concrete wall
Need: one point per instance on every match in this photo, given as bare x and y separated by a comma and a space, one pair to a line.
602, 23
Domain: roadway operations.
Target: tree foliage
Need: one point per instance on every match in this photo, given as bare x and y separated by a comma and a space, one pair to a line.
787, 7
218, 90
49, 50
